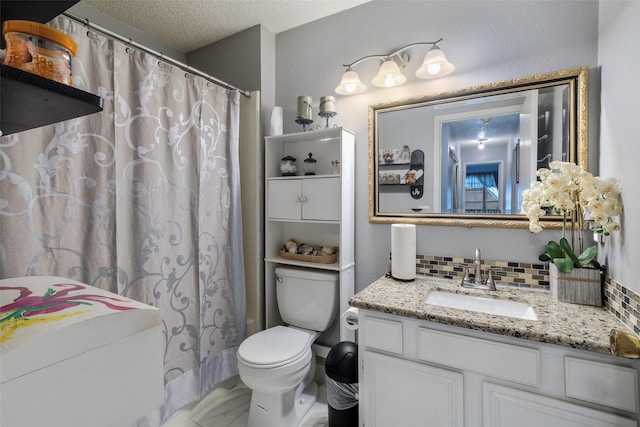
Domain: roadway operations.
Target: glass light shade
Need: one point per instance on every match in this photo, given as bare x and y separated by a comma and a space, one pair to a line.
435, 64
389, 75
350, 84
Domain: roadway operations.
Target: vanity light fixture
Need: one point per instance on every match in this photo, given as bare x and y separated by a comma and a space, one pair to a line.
434, 65
481, 142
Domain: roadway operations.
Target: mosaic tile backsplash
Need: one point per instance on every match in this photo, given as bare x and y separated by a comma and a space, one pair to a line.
534, 276
621, 301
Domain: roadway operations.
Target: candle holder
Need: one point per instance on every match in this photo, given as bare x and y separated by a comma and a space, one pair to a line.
327, 108
327, 115
304, 122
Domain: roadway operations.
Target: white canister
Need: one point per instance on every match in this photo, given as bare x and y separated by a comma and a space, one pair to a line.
276, 123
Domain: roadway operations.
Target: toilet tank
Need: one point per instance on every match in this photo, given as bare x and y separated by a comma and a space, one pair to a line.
307, 298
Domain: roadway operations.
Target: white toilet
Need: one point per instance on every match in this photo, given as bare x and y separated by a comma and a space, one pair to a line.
277, 364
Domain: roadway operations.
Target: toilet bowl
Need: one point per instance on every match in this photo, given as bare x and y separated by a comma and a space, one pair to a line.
278, 364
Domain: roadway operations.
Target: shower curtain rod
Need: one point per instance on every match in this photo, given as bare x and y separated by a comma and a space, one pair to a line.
159, 55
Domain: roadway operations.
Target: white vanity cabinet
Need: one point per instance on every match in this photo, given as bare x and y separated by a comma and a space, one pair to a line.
313, 209
409, 394
422, 373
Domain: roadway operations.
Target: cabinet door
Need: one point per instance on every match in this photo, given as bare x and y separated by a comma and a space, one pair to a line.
397, 392
283, 199
508, 407
321, 199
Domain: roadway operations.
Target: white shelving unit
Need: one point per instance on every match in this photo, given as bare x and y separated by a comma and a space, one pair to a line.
314, 209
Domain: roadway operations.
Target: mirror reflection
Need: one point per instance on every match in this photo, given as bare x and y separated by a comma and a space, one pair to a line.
465, 158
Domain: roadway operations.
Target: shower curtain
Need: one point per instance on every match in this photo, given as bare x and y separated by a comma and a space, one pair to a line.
143, 200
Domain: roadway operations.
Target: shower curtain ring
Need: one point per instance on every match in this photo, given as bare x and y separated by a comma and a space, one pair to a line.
128, 48
90, 34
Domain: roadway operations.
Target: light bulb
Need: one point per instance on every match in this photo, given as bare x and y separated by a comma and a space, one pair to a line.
433, 69
389, 75
350, 84
435, 64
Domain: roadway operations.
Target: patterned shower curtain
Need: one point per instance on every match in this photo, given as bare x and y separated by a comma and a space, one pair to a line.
142, 200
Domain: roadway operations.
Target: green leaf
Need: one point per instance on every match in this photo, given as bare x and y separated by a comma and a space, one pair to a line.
587, 256
544, 257
568, 250
597, 265
564, 264
554, 250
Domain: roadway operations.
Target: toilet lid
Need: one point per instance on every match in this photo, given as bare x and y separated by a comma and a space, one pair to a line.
276, 346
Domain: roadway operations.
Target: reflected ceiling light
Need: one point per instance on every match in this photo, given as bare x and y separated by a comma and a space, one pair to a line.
481, 142
434, 65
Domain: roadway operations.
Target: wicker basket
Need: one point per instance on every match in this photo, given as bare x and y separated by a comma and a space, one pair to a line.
322, 259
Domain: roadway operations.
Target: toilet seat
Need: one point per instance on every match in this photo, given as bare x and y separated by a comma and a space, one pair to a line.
276, 347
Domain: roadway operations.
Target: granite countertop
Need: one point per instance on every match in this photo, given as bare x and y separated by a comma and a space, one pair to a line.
571, 325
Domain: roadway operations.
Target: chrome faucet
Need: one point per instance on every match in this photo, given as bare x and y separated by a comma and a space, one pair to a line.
478, 282
478, 268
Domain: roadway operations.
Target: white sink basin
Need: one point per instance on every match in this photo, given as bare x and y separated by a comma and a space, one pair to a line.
498, 307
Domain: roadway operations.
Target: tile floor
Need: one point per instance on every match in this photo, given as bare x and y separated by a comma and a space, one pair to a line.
229, 407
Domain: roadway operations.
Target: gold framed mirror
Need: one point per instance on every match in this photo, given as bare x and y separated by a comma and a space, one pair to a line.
463, 158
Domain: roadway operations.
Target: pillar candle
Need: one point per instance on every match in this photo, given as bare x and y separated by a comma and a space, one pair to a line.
304, 107
327, 104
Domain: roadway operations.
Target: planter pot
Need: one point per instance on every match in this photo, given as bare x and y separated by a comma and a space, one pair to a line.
580, 286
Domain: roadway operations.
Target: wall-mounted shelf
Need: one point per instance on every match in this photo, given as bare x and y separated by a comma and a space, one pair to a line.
394, 164
29, 101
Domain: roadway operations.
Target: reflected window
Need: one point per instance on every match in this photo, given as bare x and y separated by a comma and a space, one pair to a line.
482, 193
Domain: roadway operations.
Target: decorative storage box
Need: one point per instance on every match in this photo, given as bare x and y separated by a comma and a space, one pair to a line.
580, 286
72, 354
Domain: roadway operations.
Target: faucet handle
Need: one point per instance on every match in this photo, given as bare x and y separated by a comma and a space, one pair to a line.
491, 283
465, 277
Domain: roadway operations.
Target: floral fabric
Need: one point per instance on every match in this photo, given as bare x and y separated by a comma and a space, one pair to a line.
142, 200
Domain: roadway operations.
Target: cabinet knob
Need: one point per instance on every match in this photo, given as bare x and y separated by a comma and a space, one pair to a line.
303, 199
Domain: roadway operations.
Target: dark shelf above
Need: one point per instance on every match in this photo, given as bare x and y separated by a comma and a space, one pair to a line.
30, 101
41, 11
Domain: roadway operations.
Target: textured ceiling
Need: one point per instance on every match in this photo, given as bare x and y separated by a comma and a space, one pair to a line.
190, 24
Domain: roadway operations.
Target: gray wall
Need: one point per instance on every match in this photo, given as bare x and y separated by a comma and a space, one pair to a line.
619, 59
235, 59
486, 40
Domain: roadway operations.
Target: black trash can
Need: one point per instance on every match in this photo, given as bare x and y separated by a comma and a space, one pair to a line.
341, 368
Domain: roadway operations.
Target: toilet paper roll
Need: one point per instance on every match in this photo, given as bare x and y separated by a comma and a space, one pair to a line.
350, 319
403, 252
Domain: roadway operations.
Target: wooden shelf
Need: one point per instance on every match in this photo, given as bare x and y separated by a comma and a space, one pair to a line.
29, 101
